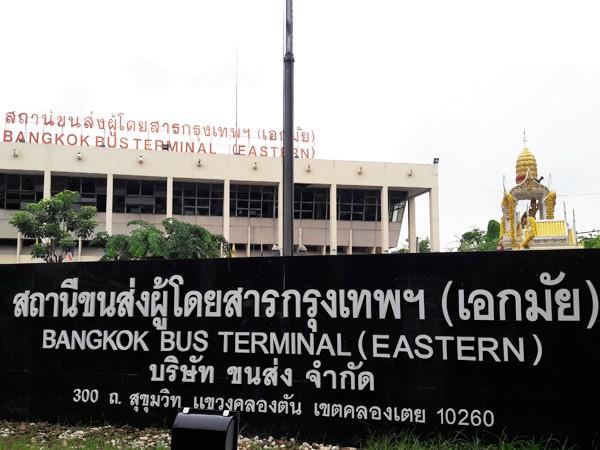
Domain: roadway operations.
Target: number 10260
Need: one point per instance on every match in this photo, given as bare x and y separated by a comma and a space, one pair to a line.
466, 417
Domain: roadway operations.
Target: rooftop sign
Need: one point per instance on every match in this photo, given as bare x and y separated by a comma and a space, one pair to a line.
119, 131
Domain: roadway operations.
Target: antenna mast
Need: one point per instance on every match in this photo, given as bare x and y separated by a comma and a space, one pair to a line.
235, 133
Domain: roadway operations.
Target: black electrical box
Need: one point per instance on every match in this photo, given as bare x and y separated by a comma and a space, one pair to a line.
204, 430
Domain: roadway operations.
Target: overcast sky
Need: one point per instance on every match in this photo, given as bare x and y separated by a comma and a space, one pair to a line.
380, 80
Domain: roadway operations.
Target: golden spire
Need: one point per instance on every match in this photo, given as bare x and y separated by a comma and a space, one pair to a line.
525, 163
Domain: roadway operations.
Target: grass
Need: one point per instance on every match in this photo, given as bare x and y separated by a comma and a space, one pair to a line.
400, 442
409, 441
89, 444
26, 436
22, 435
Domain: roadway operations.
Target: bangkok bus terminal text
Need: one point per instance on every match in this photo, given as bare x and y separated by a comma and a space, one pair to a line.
380, 346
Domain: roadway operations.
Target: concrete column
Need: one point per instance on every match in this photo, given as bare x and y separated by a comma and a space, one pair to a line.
412, 226
280, 216
19, 246
79, 245
47, 183
249, 239
109, 203
169, 196
333, 219
226, 200
385, 221
434, 220
350, 243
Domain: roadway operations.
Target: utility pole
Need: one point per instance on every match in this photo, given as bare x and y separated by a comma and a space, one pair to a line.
288, 141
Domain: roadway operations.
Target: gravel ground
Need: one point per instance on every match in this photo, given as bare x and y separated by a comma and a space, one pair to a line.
44, 435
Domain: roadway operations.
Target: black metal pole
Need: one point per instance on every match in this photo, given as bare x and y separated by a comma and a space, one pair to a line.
288, 142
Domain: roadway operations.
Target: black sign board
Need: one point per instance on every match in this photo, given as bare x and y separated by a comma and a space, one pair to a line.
320, 346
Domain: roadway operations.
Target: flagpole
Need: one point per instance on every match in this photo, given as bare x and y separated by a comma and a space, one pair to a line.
288, 143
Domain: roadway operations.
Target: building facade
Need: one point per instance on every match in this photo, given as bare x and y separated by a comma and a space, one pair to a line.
340, 207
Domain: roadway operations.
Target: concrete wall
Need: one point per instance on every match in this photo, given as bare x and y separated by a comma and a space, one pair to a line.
32, 158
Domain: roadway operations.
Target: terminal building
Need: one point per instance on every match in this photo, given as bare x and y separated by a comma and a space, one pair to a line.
340, 207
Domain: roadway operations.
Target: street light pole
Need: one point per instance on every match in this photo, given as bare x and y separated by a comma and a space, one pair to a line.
288, 142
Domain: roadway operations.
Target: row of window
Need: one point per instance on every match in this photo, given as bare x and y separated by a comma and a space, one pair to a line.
92, 191
203, 199
16, 191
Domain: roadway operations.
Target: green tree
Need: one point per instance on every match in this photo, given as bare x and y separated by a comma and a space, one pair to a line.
185, 240
56, 224
477, 240
180, 240
591, 242
424, 246
118, 250
471, 241
491, 237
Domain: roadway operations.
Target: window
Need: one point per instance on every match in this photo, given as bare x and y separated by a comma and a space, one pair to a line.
17, 191
397, 205
359, 204
92, 191
198, 199
311, 202
247, 200
140, 196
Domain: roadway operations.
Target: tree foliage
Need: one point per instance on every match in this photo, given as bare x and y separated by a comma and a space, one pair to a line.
477, 240
179, 240
56, 224
591, 242
471, 241
424, 246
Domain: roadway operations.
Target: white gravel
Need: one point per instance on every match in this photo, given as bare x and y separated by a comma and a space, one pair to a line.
135, 438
